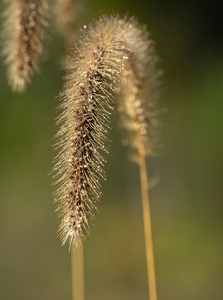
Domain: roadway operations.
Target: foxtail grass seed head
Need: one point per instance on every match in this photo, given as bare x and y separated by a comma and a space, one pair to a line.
23, 32
66, 16
113, 56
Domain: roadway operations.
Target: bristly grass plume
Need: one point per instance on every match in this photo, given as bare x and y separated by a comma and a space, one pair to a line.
23, 32
65, 14
113, 55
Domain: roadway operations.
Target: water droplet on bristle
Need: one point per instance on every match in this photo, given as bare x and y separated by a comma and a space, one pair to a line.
125, 143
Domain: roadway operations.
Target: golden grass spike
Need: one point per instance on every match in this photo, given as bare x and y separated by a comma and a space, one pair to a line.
110, 53
140, 112
66, 16
23, 30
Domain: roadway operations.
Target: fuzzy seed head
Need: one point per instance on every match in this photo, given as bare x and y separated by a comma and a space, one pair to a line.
66, 16
112, 57
23, 31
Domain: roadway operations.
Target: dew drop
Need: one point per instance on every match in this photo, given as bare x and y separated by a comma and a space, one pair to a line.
124, 81
125, 143
120, 108
117, 90
143, 131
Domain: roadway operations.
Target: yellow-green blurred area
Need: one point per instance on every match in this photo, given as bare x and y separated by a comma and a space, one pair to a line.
186, 205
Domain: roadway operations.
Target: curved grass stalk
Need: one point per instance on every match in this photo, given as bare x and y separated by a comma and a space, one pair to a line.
113, 56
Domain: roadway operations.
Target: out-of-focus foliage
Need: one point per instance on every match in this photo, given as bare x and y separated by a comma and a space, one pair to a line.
186, 205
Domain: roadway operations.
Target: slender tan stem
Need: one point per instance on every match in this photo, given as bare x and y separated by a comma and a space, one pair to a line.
77, 257
147, 223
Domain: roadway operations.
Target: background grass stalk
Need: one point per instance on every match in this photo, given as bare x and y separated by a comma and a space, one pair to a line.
77, 258
147, 222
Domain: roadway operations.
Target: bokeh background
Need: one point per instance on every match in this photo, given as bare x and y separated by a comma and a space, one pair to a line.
186, 205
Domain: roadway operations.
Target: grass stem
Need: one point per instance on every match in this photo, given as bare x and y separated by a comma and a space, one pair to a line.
147, 223
77, 258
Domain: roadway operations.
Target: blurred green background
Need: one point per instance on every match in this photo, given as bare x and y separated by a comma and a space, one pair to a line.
186, 205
